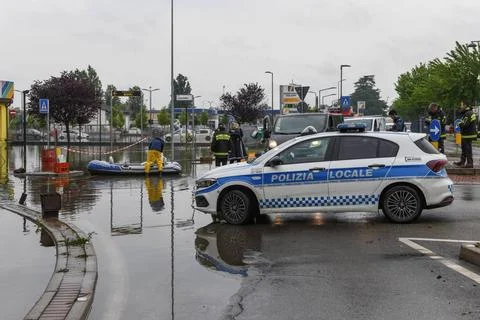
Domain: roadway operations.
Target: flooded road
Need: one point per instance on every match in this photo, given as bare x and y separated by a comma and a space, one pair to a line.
158, 258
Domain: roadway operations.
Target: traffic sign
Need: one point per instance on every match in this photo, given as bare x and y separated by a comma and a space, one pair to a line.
345, 101
302, 92
44, 104
457, 126
12, 113
129, 93
184, 97
435, 130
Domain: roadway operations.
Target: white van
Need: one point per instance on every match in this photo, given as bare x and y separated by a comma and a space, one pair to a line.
372, 123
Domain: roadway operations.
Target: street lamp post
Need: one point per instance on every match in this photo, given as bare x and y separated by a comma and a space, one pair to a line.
150, 120
328, 95
474, 44
193, 127
316, 99
172, 90
271, 73
341, 81
320, 92
24, 127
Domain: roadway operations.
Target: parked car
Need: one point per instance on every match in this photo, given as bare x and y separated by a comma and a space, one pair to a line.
179, 136
74, 136
399, 173
32, 134
203, 135
372, 123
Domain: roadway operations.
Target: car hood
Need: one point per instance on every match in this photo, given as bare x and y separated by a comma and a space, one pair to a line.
230, 169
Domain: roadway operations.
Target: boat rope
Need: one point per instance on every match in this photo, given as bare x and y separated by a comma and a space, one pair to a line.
106, 152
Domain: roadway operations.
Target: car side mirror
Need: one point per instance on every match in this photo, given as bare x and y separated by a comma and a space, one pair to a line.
275, 161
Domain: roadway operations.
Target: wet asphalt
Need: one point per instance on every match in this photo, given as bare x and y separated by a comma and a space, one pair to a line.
160, 259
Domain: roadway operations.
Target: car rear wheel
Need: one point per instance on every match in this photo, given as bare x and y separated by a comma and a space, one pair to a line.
236, 207
402, 204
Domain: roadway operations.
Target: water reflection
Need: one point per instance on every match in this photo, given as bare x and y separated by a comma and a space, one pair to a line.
125, 229
154, 187
224, 247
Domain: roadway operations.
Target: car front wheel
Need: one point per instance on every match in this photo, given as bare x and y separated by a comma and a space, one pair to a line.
402, 204
236, 207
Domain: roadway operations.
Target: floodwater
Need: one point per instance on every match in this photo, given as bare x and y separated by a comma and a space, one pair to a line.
158, 258
143, 232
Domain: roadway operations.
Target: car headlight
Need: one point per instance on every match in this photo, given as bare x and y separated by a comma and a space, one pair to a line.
272, 144
205, 183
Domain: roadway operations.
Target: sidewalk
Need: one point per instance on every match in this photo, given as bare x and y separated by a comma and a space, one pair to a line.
453, 152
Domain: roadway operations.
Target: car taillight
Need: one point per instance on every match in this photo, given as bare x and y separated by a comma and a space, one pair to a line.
436, 165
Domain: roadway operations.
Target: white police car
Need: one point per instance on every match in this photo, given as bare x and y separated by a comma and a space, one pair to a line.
399, 173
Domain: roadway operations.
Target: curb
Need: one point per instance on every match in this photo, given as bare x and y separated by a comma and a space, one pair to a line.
70, 291
470, 253
463, 171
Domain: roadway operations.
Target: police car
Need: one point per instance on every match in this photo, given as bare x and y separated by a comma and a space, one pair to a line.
349, 170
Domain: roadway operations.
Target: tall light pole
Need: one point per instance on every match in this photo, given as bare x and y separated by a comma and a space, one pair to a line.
271, 73
24, 121
474, 44
150, 90
316, 99
320, 92
328, 95
194, 140
341, 82
172, 93
338, 86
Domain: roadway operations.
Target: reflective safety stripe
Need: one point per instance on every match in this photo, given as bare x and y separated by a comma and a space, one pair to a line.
469, 136
222, 137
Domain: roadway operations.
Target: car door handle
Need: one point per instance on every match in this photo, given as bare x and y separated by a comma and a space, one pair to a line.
376, 165
316, 169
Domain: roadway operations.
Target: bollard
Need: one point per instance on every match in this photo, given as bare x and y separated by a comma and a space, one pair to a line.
51, 204
23, 197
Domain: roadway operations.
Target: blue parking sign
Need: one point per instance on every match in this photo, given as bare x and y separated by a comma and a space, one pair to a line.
457, 126
435, 130
43, 105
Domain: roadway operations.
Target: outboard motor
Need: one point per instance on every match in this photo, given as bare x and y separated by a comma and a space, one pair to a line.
308, 130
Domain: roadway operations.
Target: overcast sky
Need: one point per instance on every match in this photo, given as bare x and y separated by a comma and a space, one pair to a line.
230, 42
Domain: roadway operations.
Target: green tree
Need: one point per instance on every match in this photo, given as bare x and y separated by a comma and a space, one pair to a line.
365, 91
134, 104
183, 117
138, 118
247, 105
74, 98
447, 81
181, 85
203, 118
118, 117
107, 97
163, 117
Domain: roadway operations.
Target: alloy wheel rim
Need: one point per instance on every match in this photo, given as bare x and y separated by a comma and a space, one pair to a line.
234, 207
402, 204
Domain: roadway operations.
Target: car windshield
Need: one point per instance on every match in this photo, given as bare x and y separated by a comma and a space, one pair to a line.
296, 124
366, 122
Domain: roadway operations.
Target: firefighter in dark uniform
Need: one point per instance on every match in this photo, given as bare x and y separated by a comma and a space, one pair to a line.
468, 131
220, 145
435, 112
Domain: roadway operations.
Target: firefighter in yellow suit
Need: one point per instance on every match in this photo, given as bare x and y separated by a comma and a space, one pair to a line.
155, 154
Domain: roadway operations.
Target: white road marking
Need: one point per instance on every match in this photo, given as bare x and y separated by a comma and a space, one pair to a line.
446, 262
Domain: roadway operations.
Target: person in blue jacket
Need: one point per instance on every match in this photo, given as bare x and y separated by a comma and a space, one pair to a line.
155, 154
398, 124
